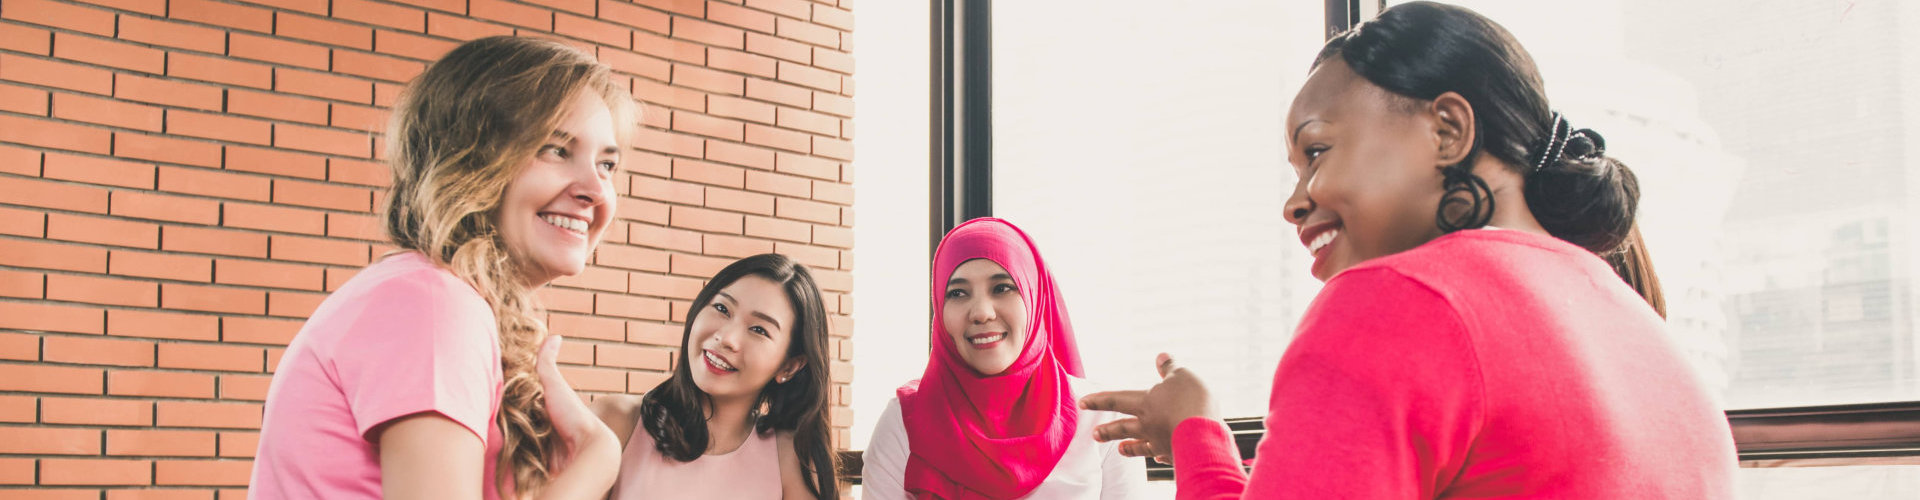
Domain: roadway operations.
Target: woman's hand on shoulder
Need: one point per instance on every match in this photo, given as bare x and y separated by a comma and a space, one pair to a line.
586, 453
576, 425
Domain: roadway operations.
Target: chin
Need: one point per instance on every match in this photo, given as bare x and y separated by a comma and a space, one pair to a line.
564, 266
998, 366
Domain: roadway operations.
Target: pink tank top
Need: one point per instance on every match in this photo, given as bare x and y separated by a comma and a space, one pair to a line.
751, 472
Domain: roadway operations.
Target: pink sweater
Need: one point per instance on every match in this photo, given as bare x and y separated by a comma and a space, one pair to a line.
1483, 364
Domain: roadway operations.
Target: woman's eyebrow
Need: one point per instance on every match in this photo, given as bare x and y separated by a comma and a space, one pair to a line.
1295, 137
761, 315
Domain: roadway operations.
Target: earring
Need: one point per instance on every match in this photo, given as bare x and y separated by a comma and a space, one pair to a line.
1464, 191
783, 379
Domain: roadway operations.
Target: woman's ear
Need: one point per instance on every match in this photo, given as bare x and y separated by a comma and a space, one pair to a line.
1453, 128
788, 369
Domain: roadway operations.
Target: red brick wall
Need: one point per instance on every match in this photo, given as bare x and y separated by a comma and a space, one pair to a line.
182, 181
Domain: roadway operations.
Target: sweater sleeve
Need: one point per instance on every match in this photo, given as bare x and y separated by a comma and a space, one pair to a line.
1206, 464
883, 465
1378, 396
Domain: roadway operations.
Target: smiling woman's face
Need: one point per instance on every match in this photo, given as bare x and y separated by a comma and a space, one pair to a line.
560, 205
1367, 163
740, 339
985, 316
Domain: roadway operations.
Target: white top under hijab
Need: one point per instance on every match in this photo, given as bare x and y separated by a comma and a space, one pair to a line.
1089, 470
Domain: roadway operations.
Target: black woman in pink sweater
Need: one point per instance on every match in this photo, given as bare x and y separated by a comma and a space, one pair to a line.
1470, 341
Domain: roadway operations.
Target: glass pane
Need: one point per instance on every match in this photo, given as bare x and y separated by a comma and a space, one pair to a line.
1141, 147
1879, 482
892, 237
1776, 147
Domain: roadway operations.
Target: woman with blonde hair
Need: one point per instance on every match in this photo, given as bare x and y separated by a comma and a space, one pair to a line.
429, 374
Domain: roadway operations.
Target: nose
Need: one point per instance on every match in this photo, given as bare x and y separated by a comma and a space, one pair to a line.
728, 339
1299, 204
981, 311
588, 186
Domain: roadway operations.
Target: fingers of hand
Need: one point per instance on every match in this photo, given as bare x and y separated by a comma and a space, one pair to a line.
1165, 363
549, 352
1137, 448
548, 368
1128, 402
1126, 428
1166, 460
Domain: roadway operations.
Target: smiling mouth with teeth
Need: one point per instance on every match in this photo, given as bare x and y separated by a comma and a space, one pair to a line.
718, 363
567, 223
988, 339
1322, 240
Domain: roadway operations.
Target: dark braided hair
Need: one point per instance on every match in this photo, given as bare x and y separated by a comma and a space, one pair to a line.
1420, 50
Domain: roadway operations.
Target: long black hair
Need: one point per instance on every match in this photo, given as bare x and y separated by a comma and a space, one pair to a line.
675, 412
1420, 50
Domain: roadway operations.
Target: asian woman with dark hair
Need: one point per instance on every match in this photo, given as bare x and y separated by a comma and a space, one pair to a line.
744, 414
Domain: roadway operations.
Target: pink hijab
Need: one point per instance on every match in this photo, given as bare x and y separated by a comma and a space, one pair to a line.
976, 436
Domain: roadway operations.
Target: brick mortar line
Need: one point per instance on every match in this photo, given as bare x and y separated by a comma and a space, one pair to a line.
164, 224
373, 157
743, 96
376, 136
142, 279
227, 30
156, 189
47, 272
112, 188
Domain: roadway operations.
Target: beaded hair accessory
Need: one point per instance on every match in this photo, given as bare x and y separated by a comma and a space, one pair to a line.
1556, 142
1558, 136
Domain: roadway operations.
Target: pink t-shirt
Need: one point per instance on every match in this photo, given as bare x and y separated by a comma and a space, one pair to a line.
1483, 364
402, 337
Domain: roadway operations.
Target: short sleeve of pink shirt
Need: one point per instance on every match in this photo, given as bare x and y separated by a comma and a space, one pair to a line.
400, 338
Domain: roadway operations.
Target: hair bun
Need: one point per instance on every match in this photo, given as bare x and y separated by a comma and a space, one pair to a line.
1585, 144
1563, 142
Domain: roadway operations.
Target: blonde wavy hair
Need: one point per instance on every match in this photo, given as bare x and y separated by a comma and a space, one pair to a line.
459, 135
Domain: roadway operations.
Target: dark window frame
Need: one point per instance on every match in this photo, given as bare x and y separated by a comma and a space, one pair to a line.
962, 117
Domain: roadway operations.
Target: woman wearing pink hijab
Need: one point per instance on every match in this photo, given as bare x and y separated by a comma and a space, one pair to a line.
995, 413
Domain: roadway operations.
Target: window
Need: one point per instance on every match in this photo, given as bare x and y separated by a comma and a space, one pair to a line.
890, 278
1142, 148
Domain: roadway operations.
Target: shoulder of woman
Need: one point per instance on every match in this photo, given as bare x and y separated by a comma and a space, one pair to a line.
409, 282
620, 412
1083, 387
789, 457
607, 405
